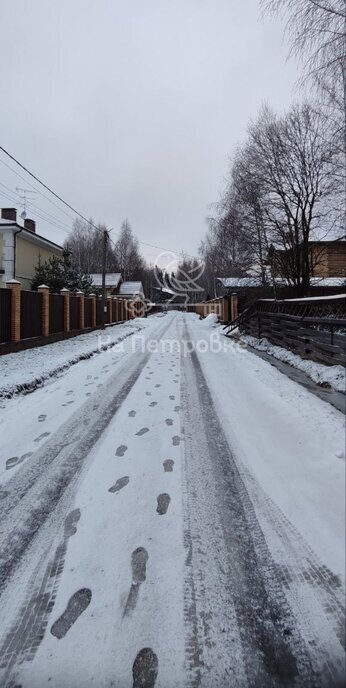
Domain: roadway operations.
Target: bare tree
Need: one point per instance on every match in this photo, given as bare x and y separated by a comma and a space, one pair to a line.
126, 252
316, 30
294, 168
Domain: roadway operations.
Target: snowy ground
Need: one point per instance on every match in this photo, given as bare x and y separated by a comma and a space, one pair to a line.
26, 370
334, 376
171, 514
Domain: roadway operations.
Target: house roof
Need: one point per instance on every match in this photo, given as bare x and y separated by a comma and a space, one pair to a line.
112, 279
27, 234
240, 281
129, 288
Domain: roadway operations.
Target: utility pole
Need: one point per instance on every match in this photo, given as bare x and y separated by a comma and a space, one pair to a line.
104, 260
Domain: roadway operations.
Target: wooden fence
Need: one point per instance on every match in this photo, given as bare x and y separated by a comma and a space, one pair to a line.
35, 315
226, 308
314, 328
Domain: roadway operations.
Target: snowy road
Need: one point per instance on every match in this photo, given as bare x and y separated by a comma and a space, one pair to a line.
171, 515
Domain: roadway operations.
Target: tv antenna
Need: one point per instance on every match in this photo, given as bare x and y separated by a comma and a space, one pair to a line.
23, 193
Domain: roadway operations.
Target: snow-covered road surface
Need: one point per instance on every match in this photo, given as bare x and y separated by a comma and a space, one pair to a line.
171, 516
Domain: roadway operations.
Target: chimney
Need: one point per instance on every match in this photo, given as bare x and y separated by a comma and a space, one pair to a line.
9, 214
30, 225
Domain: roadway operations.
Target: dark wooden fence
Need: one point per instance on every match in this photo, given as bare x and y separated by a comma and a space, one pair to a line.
88, 312
5, 315
74, 312
313, 329
30, 314
56, 313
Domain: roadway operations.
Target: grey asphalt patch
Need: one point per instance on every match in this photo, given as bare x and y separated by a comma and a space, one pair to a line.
121, 450
77, 604
168, 465
145, 669
120, 483
163, 501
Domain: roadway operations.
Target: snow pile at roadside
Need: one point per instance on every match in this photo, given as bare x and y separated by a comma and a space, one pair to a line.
24, 371
211, 320
333, 376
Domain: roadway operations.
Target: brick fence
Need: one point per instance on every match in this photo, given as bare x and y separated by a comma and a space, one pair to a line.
29, 315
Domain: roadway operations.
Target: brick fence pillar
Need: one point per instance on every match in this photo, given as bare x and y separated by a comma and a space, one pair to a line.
93, 310
15, 287
44, 290
80, 295
66, 294
234, 306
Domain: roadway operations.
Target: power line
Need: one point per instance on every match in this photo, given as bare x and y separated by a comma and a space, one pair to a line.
59, 198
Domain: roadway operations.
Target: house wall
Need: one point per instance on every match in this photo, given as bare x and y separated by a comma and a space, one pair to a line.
28, 254
28, 257
330, 260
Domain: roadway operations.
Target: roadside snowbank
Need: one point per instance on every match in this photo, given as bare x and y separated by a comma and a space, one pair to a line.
333, 376
24, 371
211, 320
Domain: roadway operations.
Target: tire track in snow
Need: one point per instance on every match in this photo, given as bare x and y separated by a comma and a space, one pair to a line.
241, 630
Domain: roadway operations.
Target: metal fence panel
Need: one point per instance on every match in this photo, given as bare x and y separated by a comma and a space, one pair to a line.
74, 313
30, 314
88, 312
56, 313
5, 315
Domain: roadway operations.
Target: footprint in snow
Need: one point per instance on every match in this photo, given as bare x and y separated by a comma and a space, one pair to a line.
163, 501
71, 521
142, 431
3, 493
70, 391
120, 483
42, 436
177, 409
77, 604
148, 394
172, 397
169, 421
158, 385
168, 465
42, 417
176, 440
153, 403
145, 669
121, 450
132, 414
139, 571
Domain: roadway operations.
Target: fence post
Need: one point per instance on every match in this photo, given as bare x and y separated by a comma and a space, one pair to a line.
44, 290
66, 294
80, 295
234, 305
93, 310
109, 309
15, 287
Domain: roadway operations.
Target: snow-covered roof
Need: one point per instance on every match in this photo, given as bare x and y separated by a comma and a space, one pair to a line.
112, 279
328, 281
240, 281
129, 288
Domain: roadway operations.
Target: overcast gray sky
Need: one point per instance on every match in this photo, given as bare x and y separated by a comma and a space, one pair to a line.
133, 108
